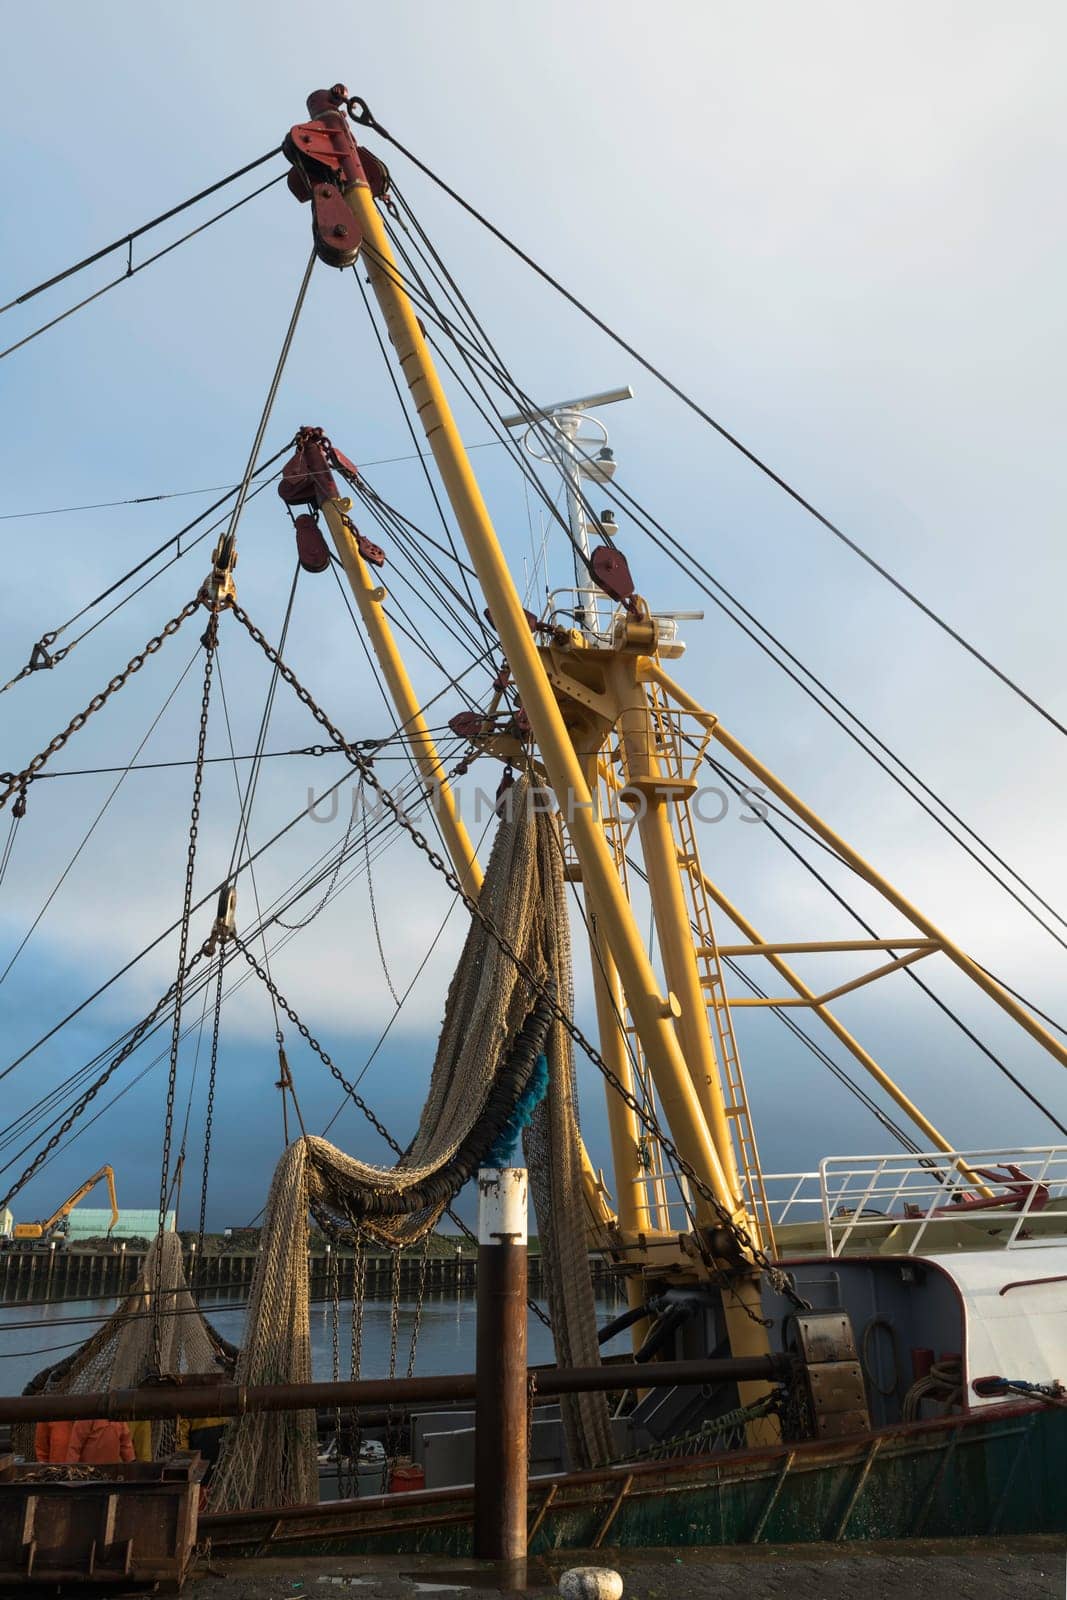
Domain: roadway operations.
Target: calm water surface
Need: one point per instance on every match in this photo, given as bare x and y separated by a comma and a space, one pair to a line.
35, 1336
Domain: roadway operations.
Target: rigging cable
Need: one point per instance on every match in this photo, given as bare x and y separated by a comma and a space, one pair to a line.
287, 827
96, 820
366, 119
499, 374
914, 976
42, 656
181, 494
131, 270
431, 486
513, 389
136, 233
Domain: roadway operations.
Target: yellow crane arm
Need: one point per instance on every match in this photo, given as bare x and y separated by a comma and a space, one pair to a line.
37, 1230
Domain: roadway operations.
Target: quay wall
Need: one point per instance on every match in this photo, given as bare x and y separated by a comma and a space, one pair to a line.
82, 1274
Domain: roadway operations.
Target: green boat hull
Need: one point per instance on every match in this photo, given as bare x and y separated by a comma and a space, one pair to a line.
998, 1471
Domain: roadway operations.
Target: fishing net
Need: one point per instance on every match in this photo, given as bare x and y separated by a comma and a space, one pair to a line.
121, 1354
494, 1027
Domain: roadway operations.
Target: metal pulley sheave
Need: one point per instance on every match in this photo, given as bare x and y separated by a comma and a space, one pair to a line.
325, 159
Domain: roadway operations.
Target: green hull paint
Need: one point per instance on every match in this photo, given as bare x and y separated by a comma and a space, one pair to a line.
1002, 1471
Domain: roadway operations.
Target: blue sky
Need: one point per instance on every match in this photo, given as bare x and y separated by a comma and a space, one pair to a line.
837, 230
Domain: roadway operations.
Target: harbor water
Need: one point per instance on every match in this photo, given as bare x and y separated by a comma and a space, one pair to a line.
36, 1336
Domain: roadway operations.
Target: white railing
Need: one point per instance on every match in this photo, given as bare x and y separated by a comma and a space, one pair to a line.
791, 1197
927, 1196
858, 1201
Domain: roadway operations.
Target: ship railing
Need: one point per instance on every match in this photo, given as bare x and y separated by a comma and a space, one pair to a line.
922, 1199
792, 1197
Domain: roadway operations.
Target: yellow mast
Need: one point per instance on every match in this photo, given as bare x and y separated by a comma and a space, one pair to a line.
370, 598
653, 1011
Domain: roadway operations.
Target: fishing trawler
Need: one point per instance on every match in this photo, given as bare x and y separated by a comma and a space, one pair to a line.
873, 1349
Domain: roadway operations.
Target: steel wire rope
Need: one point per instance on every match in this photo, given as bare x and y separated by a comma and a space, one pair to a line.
214, 488
393, 528
676, 552
499, 374
136, 233
410, 426
146, 950
16, 818
245, 802
49, 637
390, 708
730, 438
516, 393
942, 1005
124, 772
411, 802
156, 1021
367, 488
1006, 887
440, 586
131, 271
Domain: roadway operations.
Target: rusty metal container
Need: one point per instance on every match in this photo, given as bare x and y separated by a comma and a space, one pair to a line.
104, 1525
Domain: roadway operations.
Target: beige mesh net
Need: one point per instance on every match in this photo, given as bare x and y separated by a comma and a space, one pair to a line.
121, 1354
271, 1459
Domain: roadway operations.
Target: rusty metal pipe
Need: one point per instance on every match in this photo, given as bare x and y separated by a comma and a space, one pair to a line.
235, 1400
500, 1439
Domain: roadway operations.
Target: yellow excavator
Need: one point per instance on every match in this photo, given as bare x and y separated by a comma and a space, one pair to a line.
44, 1230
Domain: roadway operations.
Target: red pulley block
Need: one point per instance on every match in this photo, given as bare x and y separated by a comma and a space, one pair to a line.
611, 571
468, 724
311, 548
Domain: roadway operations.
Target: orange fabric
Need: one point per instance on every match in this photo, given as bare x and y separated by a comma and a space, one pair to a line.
51, 1440
98, 1442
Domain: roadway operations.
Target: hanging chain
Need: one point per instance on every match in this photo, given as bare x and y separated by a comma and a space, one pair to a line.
18, 780
210, 640
420, 1295
392, 1429
359, 1290
333, 1289
394, 1311
729, 1223
305, 1033
209, 1116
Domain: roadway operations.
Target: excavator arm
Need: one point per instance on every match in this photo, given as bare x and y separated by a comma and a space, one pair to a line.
39, 1230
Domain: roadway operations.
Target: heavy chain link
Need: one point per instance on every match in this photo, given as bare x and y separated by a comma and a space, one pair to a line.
210, 640
17, 780
210, 1113
729, 1223
420, 1295
306, 1034
359, 1290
